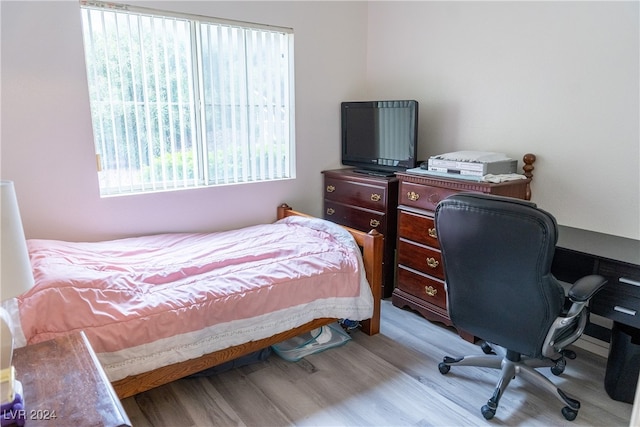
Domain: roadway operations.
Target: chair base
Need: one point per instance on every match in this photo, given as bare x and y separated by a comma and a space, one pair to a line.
511, 364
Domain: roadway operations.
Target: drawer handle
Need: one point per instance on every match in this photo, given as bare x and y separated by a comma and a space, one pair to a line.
375, 197
431, 291
629, 281
330, 188
413, 196
432, 262
330, 211
432, 233
624, 310
374, 223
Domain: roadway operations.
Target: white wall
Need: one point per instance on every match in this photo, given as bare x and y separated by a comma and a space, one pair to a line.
558, 79
47, 146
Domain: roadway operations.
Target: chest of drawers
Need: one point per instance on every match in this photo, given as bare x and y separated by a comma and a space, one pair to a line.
365, 202
420, 283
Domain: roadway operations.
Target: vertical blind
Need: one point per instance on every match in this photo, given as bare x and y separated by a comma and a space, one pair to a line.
179, 101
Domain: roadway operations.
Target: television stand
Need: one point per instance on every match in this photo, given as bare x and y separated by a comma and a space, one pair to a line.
375, 172
363, 202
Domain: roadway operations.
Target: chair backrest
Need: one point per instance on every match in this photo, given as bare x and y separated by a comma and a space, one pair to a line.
497, 254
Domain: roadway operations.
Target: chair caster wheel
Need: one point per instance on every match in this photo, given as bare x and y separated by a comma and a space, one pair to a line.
559, 367
443, 368
569, 414
486, 348
569, 354
488, 413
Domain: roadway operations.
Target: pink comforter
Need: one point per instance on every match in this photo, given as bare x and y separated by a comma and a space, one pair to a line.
128, 292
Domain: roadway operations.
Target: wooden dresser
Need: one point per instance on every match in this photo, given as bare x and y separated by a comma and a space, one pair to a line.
420, 273
365, 202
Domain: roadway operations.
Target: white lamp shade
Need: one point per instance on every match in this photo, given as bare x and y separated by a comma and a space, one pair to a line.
15, 268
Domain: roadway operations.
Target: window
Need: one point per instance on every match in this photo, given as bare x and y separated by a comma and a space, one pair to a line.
179, 101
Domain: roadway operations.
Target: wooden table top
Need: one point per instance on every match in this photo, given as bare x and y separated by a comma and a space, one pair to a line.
65, 385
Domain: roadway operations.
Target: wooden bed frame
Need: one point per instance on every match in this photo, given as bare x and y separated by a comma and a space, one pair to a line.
371, 244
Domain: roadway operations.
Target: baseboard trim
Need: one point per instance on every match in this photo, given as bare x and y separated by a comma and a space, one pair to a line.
593, 345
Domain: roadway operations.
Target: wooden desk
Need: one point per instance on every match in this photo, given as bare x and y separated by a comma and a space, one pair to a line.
64, 385
581, 252
599, 244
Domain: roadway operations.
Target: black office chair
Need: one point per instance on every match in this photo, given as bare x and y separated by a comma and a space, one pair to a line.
497, 254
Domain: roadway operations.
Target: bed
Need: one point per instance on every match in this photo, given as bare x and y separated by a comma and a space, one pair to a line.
159, 308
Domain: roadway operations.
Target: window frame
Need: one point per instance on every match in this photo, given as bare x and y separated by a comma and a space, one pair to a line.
199, 109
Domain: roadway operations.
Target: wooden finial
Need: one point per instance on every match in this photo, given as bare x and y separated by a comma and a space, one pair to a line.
374, 232
528, 168
282, 210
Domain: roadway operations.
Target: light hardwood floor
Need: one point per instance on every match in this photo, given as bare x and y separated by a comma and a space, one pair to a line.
390, 379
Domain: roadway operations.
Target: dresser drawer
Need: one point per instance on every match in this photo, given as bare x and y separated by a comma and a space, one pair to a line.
419, 257
422, 196
429, 289
356, 193
360, 219
419, 228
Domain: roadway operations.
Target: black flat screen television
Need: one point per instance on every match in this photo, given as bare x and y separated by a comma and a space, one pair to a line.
380, 137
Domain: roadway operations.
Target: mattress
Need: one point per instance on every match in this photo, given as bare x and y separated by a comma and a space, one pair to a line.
150, 301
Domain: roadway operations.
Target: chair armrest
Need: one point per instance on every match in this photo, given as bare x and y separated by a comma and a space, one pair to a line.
583, 289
